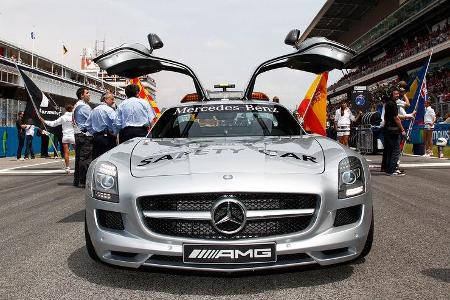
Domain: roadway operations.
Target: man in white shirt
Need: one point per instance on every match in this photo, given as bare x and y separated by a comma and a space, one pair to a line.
429, 120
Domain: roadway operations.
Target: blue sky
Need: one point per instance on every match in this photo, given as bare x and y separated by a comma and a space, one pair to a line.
223, 41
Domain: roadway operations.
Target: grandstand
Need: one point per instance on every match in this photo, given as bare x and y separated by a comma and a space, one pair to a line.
59, 82
392, 40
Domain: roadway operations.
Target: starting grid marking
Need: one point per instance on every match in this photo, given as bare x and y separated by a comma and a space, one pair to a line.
34, 172
24, 170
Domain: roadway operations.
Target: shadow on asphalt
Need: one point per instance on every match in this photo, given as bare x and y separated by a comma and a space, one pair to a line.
185, 283
440, 274
378, 173
74, 218
65, 184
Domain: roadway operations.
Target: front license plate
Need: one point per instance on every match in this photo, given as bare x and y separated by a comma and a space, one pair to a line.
229, 254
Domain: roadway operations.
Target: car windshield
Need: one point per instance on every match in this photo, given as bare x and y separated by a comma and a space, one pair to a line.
226, 120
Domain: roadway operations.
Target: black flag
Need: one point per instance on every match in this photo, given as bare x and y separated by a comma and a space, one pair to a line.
47, 109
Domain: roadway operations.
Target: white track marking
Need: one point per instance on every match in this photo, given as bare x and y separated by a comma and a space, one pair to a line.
417, 165
33, 172
33, 165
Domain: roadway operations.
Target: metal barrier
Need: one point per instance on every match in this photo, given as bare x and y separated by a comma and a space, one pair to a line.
364, 139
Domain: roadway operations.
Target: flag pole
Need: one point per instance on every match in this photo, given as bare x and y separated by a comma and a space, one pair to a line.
411, 123
62, 62
32, 50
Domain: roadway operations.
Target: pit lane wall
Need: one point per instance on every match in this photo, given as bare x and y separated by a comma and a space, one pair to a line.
9, 143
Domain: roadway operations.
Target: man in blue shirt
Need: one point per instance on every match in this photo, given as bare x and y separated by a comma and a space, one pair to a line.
83, 139
134, 115
101, 125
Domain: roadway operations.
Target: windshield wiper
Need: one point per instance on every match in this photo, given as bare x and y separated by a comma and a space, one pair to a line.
262, 124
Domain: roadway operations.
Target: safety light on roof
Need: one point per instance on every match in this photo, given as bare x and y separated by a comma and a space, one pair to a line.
194, 97
259, 96
224, 86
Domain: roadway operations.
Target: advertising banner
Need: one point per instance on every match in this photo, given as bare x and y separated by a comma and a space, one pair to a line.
360, 99
440, 130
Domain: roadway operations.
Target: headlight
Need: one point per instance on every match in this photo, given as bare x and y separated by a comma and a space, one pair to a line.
351, 177
105, 186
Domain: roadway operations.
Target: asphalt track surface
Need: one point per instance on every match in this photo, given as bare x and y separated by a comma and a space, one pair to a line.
43, 255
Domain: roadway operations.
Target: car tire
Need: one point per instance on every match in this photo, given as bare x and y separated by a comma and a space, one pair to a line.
369, 241
89, 246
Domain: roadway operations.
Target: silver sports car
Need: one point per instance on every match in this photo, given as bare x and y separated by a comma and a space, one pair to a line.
228, 183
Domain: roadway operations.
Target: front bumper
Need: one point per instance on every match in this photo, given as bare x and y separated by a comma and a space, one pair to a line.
321, 243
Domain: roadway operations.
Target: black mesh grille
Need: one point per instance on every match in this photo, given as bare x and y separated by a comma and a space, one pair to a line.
347, 215
204, 202
110, 219
204, 229
292, 257
166, 258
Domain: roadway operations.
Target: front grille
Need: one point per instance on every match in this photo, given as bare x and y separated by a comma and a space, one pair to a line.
204, 202
203, 229
110, 219
347, 215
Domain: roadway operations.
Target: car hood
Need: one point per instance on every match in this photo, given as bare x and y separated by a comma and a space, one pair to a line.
285, 155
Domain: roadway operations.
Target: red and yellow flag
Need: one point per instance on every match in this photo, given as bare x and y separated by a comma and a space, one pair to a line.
313, 109
144, 94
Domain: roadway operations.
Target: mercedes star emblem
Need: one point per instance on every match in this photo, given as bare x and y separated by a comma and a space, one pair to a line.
228, 216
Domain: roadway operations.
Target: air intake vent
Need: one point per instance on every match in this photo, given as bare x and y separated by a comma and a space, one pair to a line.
347, 215
110, 219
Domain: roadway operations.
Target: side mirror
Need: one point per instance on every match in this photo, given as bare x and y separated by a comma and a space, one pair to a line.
154, 41
292, 38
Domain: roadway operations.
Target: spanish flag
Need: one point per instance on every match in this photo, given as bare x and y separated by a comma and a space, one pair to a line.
313, 109
144, 94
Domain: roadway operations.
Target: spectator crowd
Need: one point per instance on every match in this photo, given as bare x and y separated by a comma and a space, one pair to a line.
406, 49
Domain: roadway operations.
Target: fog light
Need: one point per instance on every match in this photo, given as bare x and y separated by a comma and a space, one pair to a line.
354, 191
106, 196
102, 196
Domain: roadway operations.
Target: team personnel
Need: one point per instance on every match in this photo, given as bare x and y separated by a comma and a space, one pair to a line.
83, 139
68, 137
342, 120
429, 120
29, 139
393, 133
101, 125
134, 115
21, 126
